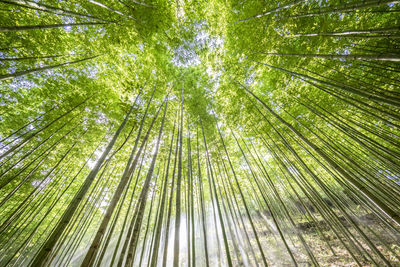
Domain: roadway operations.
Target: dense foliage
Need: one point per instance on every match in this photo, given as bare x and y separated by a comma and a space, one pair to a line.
154, 133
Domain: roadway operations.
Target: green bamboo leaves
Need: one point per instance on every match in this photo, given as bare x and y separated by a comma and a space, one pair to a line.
199, 133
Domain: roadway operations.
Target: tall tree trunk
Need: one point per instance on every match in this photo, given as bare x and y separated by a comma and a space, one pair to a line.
243, 199
346, 8
42, 255
351, 33
270, 11
203, 215
178, 195
49, 26
154, 256
139, 211
165, 249
47, 8
211, 178
110, 9
123, 183
389, 57
21, 73
128, 172
389, 212
29, 137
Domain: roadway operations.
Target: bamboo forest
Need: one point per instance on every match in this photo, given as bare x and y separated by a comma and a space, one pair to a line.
199, 133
